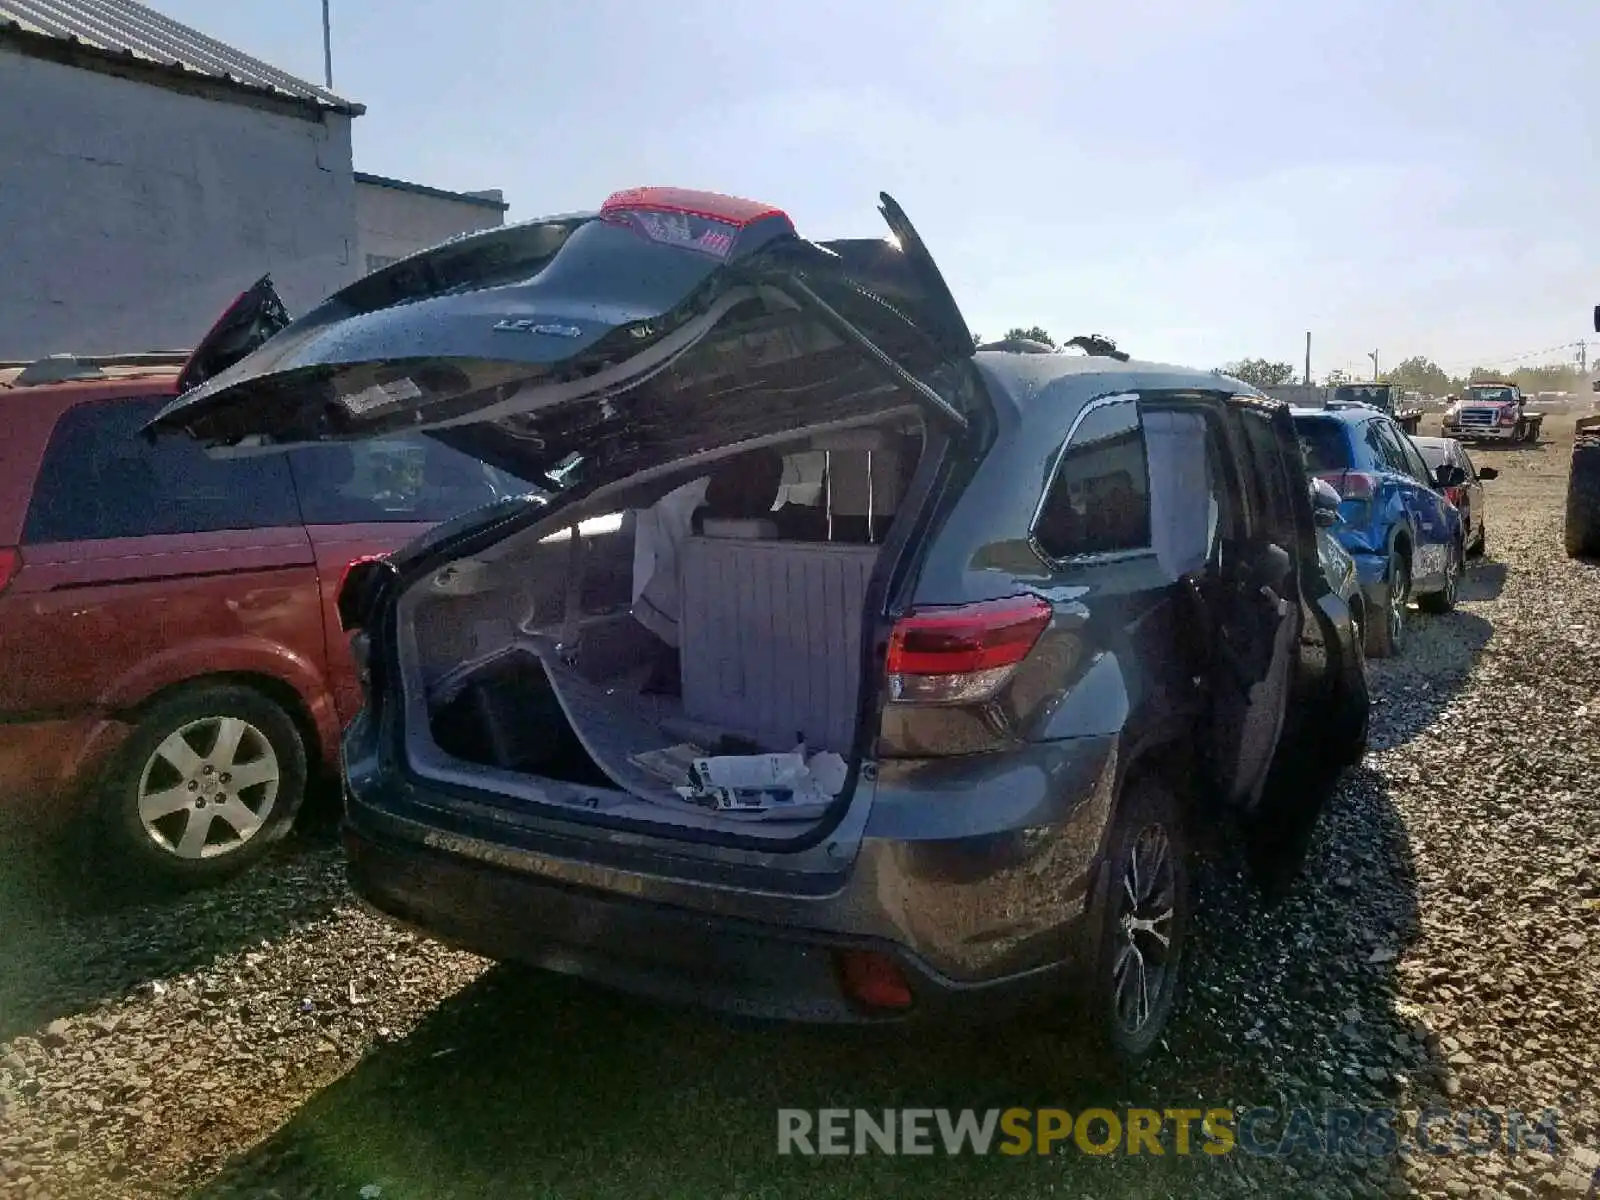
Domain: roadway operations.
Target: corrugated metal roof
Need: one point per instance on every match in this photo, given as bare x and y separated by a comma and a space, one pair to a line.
123, 30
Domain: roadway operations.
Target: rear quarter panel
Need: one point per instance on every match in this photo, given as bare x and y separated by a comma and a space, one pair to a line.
334, 547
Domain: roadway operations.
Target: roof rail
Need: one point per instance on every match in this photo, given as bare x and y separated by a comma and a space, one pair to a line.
60, 368
1096, 345
1019, 346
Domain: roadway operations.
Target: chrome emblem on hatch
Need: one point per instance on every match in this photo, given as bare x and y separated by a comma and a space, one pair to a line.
523, 325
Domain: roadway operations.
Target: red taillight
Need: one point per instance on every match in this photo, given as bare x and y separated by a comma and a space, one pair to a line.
873, 980
350, 609
1351, 485
707, 222
10, 564
1455, 495
961, 653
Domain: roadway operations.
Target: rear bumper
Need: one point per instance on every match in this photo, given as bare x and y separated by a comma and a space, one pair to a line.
972, 877
671, 955
47, 768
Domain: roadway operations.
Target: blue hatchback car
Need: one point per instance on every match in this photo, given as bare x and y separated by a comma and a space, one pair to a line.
1405, 536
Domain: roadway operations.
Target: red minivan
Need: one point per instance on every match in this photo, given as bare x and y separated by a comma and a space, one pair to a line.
171, 665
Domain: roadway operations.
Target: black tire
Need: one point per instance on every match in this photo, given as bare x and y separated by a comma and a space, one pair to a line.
146, 845
1583, 501
1386, 625
1444, 600
1147, 819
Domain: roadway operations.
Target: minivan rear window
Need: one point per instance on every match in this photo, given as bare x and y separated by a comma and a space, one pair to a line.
101, 479
1325, 443
409, 477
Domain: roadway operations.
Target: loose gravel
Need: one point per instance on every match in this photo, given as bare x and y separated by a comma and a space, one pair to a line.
1443, 950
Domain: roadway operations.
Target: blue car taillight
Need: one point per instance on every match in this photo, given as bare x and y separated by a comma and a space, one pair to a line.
1356, 491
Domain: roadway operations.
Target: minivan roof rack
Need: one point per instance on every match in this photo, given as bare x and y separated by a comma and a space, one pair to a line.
62, 368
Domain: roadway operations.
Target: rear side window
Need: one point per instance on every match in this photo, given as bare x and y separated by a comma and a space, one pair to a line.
1324, 443
1098, 501
1435, 456
405, 478
101, 479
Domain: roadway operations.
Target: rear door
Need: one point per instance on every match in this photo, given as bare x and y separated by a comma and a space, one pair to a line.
144, 565
1264, 617
1434, 520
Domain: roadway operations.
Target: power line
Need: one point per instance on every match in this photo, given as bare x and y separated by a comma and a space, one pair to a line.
1577, 351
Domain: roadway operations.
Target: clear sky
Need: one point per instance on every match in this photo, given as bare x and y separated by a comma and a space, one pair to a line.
1203, 180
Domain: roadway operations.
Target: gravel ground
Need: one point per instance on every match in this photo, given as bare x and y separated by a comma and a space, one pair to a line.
269, 1038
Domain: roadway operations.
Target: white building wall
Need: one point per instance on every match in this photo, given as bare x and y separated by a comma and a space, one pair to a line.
392, 223
131, 215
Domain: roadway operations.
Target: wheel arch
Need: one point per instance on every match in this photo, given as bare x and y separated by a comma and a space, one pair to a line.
269, 687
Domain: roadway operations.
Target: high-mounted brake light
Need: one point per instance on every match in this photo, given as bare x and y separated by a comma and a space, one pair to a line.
707, 222
10, 564
963, 653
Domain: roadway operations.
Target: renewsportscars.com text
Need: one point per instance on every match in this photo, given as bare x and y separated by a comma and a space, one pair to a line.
1364, 1132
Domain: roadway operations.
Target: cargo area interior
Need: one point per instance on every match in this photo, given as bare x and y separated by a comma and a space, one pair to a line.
542, 670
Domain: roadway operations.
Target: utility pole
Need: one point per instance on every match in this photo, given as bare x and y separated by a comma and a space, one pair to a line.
1373, 355
1308, 358
327, 47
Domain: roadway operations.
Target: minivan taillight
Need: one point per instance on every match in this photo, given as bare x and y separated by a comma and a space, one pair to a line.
10, 564
962, 653
353, 597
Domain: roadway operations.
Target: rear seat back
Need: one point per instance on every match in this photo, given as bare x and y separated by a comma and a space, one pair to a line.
769, 636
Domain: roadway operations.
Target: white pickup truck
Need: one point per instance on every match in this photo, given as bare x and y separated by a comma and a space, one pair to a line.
1491, 411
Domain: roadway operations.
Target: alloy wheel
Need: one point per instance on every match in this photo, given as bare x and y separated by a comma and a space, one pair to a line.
1142, 963
208, 788
1399, 595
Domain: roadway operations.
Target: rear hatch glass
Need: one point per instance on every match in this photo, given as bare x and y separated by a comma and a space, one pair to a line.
1324, 443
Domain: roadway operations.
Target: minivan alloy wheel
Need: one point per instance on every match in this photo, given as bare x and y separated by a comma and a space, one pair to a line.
1146, 912
209, 787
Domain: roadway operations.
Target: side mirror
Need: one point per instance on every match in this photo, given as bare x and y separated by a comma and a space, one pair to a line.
1488, 473
1325, 504
1597, 318
1449, 475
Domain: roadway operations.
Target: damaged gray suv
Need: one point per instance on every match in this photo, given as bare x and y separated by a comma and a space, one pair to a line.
839, 670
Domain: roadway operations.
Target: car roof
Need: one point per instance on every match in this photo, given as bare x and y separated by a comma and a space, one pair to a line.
1348, 416
111, 383
1025, 378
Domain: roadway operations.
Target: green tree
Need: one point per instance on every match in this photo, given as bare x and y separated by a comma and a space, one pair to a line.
1034, 333
1419, 374
1258, 372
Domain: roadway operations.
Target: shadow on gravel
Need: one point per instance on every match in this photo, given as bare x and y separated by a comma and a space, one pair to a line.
70, 939
1409, 692
1484, 580
528, 1084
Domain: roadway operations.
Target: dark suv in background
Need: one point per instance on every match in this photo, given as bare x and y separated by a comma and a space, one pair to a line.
963, 645
171, 669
